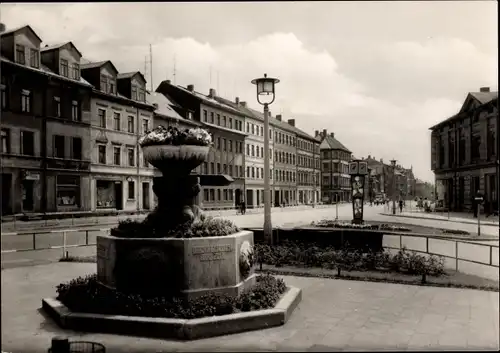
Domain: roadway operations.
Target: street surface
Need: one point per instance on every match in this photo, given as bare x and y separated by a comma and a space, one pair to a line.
333, 315
280, 217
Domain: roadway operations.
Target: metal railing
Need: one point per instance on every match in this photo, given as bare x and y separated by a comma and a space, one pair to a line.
456, 256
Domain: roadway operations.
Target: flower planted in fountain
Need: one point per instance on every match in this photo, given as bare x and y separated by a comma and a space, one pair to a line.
177, 264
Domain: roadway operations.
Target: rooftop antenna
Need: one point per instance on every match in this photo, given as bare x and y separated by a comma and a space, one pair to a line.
151, 65
175, 71
145, 66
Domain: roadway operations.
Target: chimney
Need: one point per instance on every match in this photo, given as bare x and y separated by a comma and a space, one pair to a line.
190, 88
316, 133
332, 134
291, 122
381, 160
212, 93
237, 100
243, 104
369, 156
325, 132
168, 82
484, 89
278, 117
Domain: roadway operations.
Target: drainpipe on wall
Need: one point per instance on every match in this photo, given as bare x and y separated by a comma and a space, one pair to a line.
138, 162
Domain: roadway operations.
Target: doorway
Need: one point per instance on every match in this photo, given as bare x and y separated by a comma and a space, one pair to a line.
276, 198
6, 190
237, 196
145, 196
119, 195
27, 195
249, 200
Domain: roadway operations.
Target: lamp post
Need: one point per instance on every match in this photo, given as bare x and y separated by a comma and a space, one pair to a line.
265, 96
393, 164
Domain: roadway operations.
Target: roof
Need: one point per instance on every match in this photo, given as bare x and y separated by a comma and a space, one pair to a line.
130, 75
12, 31
93, 65
260, 116
482, 97
57, 46
224, 129
44, 70
164, 105
208, 99
335, 144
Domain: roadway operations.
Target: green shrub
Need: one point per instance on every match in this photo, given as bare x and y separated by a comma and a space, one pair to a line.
205, 226
85, 294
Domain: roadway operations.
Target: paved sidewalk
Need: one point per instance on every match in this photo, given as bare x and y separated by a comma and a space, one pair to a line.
438, 216
333, 315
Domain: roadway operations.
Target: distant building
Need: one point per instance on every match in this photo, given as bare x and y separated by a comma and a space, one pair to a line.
424, 190
464, 149
335, 178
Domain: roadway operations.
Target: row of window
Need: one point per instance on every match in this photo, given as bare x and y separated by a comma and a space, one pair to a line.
284, 157
27, 145
329, 154
223, 122
307, 162
224, 144
26, 104
222, 168
337, 181
307, 146
34, 56
307, 178
117, 156
65, 71
257, 130
284, 139
60, 147
117, 122
335, 167
475, 146
257, 151
211, 195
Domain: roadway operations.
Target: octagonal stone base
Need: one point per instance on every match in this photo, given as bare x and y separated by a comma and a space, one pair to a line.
191, 266
175, 328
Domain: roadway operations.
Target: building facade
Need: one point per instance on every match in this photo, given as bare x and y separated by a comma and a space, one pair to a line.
45, 126
464, 151
335, 158
308, 168
120, 177
226, 156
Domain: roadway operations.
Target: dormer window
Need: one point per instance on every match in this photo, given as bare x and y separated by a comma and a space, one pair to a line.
75, 68
112, 87
20, 54
134, 92
34, 58
64, 68
108, 84
142, 95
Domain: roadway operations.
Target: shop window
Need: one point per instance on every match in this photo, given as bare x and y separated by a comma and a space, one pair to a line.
131, 190
105, 194
68, 190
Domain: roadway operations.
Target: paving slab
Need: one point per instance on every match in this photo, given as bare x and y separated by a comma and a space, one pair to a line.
333, 314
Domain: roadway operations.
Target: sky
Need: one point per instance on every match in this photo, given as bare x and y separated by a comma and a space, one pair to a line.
377, 74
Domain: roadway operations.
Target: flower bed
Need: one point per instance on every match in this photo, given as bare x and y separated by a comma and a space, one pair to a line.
205, 226
296, 254
346, 225
86, 295
173, 136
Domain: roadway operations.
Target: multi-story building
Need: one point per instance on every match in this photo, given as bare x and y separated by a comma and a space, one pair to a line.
335, 179
308, 167
226, 125
464, 149
120, 177
45, 126
254, 152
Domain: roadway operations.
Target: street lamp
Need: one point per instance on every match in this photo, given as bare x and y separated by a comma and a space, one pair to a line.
393, 164
265, 96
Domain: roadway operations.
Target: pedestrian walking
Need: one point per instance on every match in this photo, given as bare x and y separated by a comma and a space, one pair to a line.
400, 206
243, 207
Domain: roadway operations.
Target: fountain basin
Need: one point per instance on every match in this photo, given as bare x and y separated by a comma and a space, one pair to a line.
188, 267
